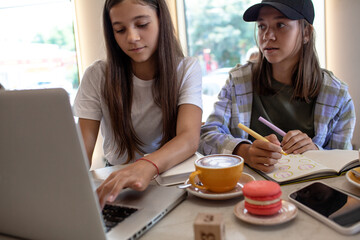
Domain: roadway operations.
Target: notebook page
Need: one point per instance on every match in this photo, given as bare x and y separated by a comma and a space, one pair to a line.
335, 159
295, 166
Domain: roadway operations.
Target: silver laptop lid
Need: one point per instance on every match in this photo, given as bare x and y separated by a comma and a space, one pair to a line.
45, 186
43, 169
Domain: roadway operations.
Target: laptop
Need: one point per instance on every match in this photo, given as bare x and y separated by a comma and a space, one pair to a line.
46, 188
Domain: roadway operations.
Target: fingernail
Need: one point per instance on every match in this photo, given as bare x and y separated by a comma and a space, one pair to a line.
111, 198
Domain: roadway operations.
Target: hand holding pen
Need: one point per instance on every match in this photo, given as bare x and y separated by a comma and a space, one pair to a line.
263, 153
294, 141
255, 135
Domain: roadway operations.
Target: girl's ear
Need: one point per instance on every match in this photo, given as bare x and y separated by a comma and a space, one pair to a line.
306, 34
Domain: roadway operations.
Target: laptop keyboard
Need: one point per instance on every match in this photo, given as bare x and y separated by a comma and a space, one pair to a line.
113, 214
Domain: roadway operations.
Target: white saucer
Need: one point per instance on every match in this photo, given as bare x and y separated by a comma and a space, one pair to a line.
352, 179
237, 191
287, 212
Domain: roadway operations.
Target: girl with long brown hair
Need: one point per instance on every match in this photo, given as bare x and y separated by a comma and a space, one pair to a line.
146, 96
286, 86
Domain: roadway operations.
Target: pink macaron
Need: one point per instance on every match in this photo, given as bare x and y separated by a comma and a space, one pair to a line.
262, 197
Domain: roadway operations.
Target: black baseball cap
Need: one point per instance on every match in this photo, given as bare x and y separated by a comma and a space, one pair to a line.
292, 9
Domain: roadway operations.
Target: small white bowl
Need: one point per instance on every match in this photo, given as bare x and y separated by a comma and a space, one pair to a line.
352, 179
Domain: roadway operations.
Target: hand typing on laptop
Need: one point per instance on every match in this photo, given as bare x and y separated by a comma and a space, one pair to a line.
136, 176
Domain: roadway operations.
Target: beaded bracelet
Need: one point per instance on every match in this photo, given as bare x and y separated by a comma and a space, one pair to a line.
157, 169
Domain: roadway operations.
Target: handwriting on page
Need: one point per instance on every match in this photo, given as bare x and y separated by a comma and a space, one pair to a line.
294, 165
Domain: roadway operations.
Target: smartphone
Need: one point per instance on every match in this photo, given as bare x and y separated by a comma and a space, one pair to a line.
334, 207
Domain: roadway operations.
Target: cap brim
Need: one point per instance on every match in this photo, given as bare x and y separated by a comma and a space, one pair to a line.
252, 13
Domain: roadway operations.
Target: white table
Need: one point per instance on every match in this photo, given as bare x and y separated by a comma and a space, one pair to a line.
178, 224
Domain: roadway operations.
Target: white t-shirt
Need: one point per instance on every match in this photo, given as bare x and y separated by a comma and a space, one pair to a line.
146, 115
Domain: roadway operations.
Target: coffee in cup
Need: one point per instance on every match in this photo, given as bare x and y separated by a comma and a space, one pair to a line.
218, 172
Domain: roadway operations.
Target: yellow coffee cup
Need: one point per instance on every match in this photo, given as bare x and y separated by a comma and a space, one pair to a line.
218, 172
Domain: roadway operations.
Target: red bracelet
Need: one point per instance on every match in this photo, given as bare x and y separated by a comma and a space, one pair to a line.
157, 169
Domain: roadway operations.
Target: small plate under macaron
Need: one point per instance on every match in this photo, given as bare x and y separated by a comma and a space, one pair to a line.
287, 212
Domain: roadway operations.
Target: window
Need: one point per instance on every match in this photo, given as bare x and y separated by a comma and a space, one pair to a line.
37, 45
215, 33
219, 38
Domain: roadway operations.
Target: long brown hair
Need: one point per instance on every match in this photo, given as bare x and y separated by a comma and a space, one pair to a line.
307, 75
118, 87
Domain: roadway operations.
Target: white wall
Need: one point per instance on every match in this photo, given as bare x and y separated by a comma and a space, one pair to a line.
319, 25
89, 37
343, 48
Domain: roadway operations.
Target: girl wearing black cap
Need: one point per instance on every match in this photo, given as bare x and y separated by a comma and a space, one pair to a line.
286, 86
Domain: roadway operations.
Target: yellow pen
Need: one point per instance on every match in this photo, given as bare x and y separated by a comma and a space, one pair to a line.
255, 135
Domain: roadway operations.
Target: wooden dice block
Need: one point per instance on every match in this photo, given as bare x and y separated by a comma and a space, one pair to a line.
209, 226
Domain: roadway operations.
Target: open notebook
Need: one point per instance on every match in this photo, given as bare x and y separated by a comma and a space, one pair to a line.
46, 188
312, 165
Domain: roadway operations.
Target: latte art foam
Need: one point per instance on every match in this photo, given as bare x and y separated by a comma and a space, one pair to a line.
218, 162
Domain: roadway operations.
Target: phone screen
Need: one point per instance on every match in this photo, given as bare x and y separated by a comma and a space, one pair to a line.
331, 203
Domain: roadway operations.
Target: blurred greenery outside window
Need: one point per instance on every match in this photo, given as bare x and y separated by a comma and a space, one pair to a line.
218, 36
37, 45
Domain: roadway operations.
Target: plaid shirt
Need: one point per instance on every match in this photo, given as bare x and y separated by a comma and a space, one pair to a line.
334, 116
